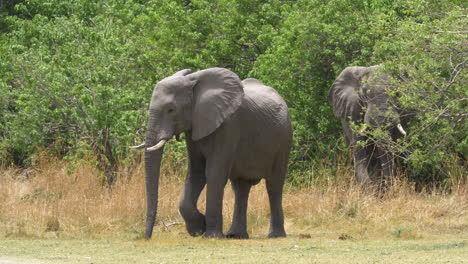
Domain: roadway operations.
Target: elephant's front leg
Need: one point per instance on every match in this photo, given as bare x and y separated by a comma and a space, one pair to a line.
388, 167
194, 184
194, 220
361, 163
217, 170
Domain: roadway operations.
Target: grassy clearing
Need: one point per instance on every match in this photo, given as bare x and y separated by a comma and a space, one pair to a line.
179, 248
53, 214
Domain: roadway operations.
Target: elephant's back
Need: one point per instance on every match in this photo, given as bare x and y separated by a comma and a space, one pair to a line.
265, 114
265, 101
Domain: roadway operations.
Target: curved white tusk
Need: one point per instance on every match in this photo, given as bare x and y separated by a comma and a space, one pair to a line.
402, 131
139, 146
157, 146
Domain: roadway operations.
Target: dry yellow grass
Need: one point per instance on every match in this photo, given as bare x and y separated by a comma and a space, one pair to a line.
52, 201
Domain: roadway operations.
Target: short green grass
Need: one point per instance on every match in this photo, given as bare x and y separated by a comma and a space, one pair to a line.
175, 247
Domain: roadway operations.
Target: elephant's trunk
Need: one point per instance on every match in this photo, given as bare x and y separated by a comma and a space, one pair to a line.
152, 170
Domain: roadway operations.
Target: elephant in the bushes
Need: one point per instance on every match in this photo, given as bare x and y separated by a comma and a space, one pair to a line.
236, 130
360, 96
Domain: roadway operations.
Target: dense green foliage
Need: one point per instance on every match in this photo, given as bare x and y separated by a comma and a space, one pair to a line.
76, 76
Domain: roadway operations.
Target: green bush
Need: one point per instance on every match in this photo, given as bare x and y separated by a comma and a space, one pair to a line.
76, 76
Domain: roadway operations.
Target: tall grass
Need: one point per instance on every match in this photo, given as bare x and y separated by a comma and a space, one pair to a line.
55, 200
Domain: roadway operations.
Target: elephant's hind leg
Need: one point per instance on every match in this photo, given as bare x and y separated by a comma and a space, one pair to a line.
274, 186
239, 221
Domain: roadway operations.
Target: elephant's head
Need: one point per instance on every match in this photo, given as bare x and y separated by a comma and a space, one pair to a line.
196, 103
359, 94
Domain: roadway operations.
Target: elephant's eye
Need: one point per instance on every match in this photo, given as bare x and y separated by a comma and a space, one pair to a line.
170, 110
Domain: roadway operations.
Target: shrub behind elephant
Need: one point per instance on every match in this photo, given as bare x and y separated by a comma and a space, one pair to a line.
360, 96
233, 130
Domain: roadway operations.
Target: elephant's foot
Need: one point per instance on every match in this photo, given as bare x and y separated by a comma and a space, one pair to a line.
237, 234
277, 233
196, 227
213, 234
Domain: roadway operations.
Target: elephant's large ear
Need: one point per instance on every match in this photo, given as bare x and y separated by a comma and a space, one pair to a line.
217, 94
181, 73
344, 93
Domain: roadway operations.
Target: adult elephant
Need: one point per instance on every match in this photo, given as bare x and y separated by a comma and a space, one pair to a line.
237, 130
360, 96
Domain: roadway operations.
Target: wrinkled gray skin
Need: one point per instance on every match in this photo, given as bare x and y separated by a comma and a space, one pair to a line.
234, 130
359, 95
